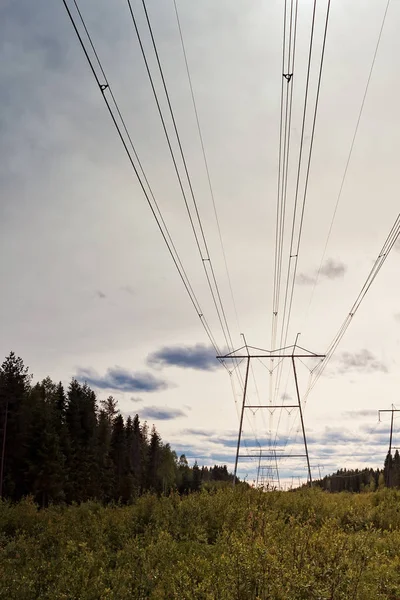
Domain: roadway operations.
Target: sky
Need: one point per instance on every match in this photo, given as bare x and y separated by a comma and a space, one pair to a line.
88, 287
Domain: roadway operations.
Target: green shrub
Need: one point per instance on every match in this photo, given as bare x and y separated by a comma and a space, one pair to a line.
227, 544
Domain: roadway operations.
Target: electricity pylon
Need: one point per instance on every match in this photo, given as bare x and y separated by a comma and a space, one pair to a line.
250, 354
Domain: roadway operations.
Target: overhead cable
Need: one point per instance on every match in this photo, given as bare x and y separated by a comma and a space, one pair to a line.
348, 157
380, 260
199, 236
295, 245
130, 150
206, 162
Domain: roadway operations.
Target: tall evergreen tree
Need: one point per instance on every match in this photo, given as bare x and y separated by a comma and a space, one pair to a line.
110, 408
105, 468
119, 457
137, 451
14, 416
196, 483
154, 482
396, 470
44, 458
388, 470
82, 433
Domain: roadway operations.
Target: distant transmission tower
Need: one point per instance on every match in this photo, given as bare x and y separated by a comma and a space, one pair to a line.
269, 454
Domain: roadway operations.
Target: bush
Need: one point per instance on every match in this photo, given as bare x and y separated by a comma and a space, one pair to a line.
227, 544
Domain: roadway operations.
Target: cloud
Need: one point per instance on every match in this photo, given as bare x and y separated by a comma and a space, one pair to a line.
359, 413
199, 357
362, 361
101, 294
303, 279
331, 269
135, 400
161, 414
199, 432
123, 380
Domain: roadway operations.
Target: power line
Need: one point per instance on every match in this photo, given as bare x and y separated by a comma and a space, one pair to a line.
205, 257
196, 113
348, 157
295, 248
283, 160
155, 209
382, 256
148, 194
205, 160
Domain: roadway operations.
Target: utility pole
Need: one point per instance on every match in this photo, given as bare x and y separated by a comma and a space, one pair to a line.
392, 411
291, 352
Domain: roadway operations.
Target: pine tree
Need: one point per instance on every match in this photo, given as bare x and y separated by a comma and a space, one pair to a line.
44, 459
105, 466
137, 453
14, 388
60, 403
154, 482
396, 470
388, 470
185, 475
119, 457
196, 477
110, 408
81, 423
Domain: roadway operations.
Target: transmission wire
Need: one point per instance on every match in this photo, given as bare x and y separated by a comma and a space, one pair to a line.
348, 158
154, 209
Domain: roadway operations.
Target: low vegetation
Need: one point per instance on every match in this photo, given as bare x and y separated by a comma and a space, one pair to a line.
217, 544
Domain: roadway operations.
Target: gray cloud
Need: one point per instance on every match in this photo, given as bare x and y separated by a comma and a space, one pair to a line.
199, 432
101, 294
123, 380
359, 413
362, 361
161, 414
331, 269
199, 357
303, 279
135, 400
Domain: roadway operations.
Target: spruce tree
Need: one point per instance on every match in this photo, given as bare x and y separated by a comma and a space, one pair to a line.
396, 470
44, 459
81, 423
14, 417
154, 482
119, 457
104, 463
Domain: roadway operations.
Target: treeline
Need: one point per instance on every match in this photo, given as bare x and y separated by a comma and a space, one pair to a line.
365, 480
352, 480
66, 446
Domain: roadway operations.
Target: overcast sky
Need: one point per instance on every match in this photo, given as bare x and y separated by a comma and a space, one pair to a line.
88, 288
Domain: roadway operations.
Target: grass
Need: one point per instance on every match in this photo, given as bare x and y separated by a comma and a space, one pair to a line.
227, 544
